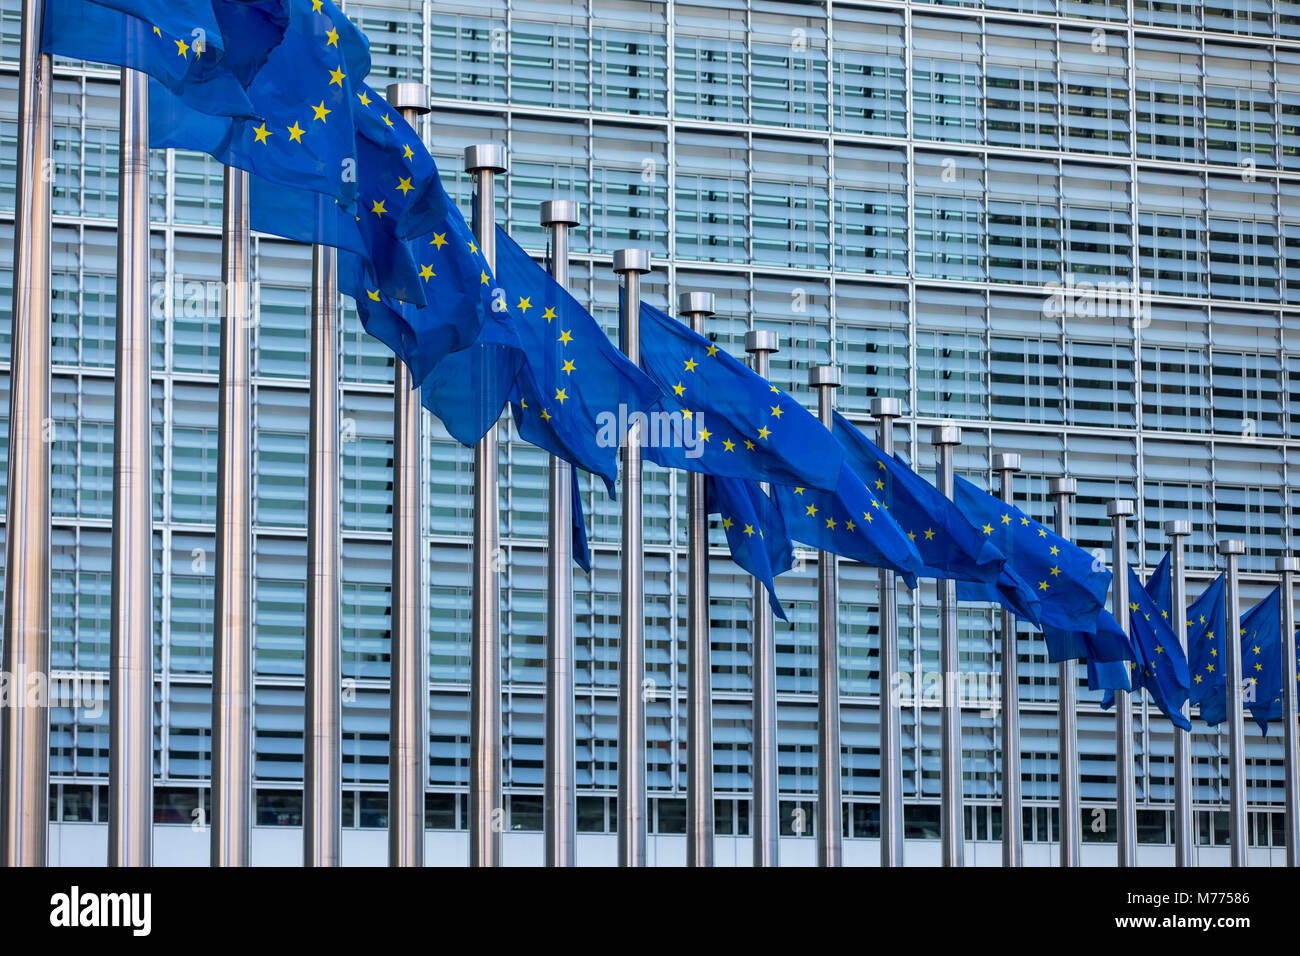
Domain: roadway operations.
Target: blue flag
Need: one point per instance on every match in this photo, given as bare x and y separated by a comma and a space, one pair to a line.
576, 393
1260, 636
1069, 583
581, 552
754, 531
1161, 666
1206, 625
1111, 674
1160, 588
949, 545
204, 51
721, 418
301, 133
849, 522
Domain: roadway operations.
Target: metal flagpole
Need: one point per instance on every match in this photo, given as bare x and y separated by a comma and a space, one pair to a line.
885, 410
1119, 510
1287, 568
764, 818
1013, 848
1176, 531
486, 811
630, 263
559, 822
952, 826
1232, 549
232, 629
408, 694
130, 758
830, 807
322, 811
1067, 690
25, 731
693, 308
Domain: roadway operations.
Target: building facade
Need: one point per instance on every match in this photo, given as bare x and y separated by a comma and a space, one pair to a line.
1073, 228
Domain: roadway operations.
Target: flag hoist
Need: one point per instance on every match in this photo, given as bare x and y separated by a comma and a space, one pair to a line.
1176, 531
25, 731
1287, 568
1013, 850
1067, 725
952, 830
559, 800
885, 410
694, 307
408, 696
1232, 550
486, 812
1119, 511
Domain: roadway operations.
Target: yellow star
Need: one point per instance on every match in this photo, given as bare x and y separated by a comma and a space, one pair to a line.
879, 484
728, 444
851, 527
388, 120
687, 413
727, 523
811, 510
439, 239
1042, 533
798, 491
157, 32
929, 534
830, 523
333, 38
404, 185
1054, 550
868, 517
1198, 678
1042, 585
365, 99
316, 5
777, 411
749, 530
483, 278
679, 389
378, 207
561, 395
912, 535
1055, 571
427, 273
525, 303
705, 434
775, 389
713, 350
565, 338
406, 150
261, 133
988, 529
1024, 521
1006, 519
568, 368
1209, 668
320, 111
473, 248
295, 133
690, 365
764, 432
546, 415
373, 294
182, 49
549, 313
749, 445
1160, 649
337, 77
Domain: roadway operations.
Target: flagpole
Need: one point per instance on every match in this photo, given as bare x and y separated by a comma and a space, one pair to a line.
885, 410
560, 781
1067, 690
1232, 549
1119, 510
408, 694
1176, 531
764, 818
130, 759
25, 731
486, 810
1013, 849
830, 802
700, 827
946, 438
232, 629
630, 264
1287, 568
322, 809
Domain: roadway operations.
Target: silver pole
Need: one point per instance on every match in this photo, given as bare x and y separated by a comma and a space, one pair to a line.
408, 695
322, 812
130, 758
1232, 549
764, 817
486, 810
1287, 567
232, 653
1067, 725
1183, 841
885, 410
951, 823
560, 782
1013, 848
694, 307
1119, 510
830, 804
630, 264
25, 733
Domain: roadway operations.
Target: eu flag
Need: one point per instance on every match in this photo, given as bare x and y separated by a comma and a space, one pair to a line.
1260, 636
301, 133
1206, 625
1160, 588
722, 418
1111, 674
576, 393
1161, 666
205, 51
949, 545
581, 552
1069, 583
754, 530
849, 522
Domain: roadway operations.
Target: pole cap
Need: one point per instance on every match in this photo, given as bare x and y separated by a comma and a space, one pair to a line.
886, 407
631, 260
1177, 527
490, 157
1006, 461
695, 303
1119, 508
560, 212
1232, 546
825, 376
946, 435
762, 340
1068, 487
408, 96
1291, 563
